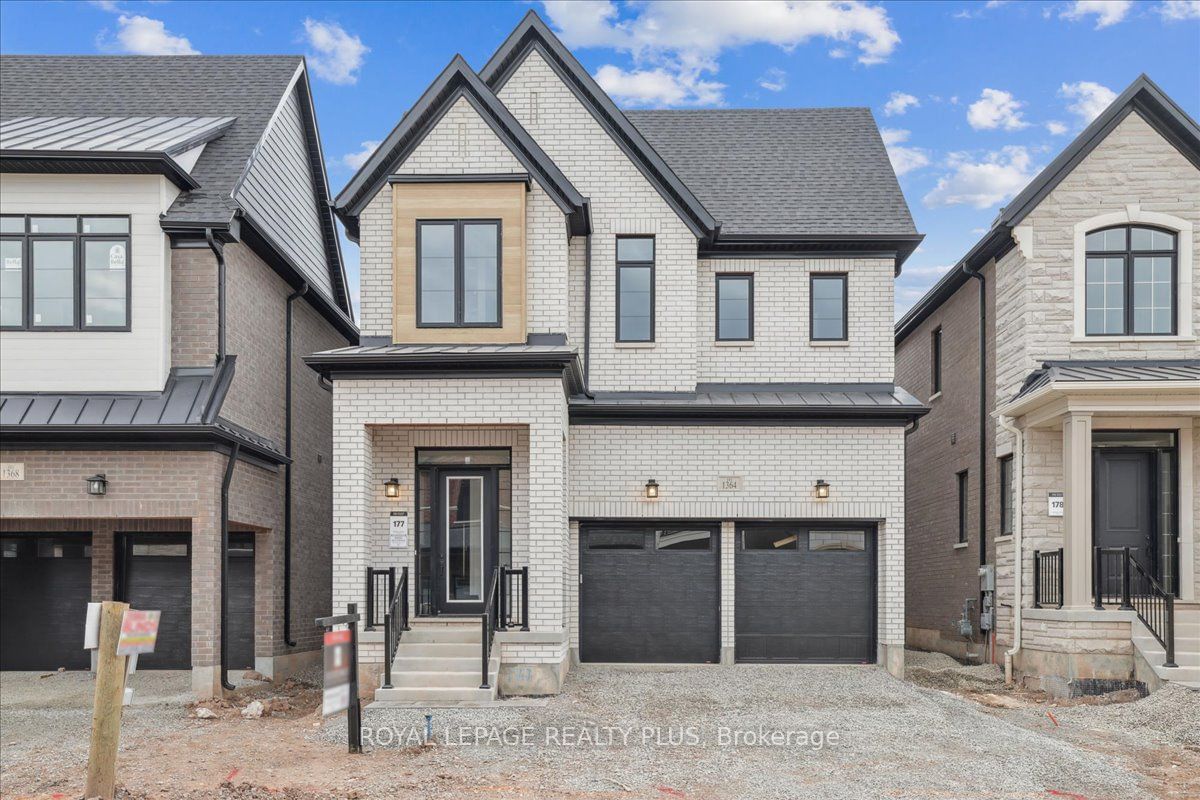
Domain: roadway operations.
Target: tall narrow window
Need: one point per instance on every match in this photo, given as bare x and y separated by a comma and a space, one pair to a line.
827, 308
935, 361
458, 273
735, 308
635, 289
962, 505
1130, 282
1007, 496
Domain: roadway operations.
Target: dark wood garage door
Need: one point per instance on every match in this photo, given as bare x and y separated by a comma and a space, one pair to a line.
45, 586
650, 593
804, 592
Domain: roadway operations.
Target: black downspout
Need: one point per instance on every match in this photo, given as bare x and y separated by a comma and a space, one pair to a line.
983, 448
229, 465
287, 474
219, 252
587, 313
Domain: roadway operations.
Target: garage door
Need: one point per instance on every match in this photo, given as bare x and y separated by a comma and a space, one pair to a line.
45, 586
649, 593
804, 593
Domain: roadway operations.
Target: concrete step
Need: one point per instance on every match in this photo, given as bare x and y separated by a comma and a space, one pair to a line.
1156, 653
442, 678
434, 663
438, 695
437, 649
1185, 674
445, 634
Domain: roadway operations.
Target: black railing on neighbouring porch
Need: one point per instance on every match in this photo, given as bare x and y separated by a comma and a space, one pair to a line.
506, 605
1118, 577
1048, 578
381, 585
395, 623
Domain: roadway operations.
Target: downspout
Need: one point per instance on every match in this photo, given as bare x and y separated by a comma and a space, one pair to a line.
1018, 552
983, 448
219, 252
587, 314
229, 465
287, 472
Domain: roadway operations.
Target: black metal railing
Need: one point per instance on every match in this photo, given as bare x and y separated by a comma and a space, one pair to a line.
1048, 578
395, 623
1118, 577
490, 620
514, 598
381, 585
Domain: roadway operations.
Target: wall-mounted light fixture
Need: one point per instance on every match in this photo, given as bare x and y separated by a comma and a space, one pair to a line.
391, 488
97, 485
821, 490
652, 489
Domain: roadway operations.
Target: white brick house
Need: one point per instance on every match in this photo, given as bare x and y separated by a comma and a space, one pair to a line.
589, 354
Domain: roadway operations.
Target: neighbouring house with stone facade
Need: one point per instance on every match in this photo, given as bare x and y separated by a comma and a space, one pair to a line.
169, 254
625, 387
1061, 454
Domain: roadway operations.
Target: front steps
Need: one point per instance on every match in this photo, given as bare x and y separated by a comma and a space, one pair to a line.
438, 662
1187, 648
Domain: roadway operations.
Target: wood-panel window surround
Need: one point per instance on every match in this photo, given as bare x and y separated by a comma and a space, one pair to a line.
458, 261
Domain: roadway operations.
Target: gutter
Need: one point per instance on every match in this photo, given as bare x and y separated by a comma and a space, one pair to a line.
229, 466
1019, 557
287, 471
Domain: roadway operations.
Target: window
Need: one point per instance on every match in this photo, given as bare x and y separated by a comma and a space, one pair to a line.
935, 361
769, 537
735, 307
458, 274
64, 273
635, 289
616, 540
682, 539
1007, 497
962, 506
837, 540
827, 308
1130, 282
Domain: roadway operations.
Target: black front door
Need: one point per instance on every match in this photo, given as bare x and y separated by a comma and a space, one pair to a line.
465, 541
1123, 508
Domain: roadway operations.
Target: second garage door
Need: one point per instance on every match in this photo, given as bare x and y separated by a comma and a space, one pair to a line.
649, 593
804, 593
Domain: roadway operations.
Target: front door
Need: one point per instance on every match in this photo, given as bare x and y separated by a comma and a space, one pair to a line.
466, 541
1124, 506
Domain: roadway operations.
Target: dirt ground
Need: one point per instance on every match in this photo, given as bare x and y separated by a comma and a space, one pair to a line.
897, 739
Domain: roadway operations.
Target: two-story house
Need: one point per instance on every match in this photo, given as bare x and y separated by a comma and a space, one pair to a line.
625, 384
168, 256
1054, 484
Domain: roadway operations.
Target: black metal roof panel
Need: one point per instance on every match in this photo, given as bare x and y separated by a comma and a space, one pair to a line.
783, 171
170, 135
1109, 371
765, 396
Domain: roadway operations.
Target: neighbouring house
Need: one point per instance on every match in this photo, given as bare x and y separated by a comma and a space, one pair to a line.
169, 255
625, 388
1061, 454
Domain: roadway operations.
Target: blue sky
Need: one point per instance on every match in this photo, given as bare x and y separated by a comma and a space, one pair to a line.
973, 98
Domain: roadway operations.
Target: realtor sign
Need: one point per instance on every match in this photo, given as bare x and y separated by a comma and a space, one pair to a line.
337, 672
139, 632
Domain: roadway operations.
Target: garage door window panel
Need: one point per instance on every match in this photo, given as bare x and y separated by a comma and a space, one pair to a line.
682, 539
835, 541
769, 539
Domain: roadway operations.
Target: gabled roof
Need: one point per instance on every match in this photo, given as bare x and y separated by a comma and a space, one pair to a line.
533, 33
169, 135
1143, 97
1123, 370
457, 81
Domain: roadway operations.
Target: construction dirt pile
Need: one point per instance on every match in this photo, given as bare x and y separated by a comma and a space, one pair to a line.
940, 671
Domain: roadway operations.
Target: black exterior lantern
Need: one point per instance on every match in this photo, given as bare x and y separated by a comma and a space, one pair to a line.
652, 489
391, 488
821, 490
97, 485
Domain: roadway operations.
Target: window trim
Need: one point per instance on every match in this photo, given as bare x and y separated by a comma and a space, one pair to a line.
1006, 489
935, 361
636, 264
735, 276
963, 479
79, 278
845, 279
1127, 256
460, 271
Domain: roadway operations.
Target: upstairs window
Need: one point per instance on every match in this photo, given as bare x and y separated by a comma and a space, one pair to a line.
827, 308
64, 273
1131, 282
963, 487
1008, 500
458, 274
635, 289
735, 307
935, 361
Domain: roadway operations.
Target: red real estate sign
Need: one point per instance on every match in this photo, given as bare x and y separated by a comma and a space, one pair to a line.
337, 672
139, 632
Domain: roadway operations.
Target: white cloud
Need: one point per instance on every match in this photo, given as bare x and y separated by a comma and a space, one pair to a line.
996, 108
899, 102
1106, 12
904, 158
106, 5
1056, 128
773, 80
983, 184
143, 36
1176, 10
337, 55
936, 271
839, 52
650, 87
1088, 99
357, 159
681, 42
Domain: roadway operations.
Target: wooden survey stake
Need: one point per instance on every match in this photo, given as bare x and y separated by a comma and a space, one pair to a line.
106, 709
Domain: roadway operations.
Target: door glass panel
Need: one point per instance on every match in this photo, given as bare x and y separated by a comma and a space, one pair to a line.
465, 457
504, 488
464, 538
769, 539
425, 496
682, 540
1133, 438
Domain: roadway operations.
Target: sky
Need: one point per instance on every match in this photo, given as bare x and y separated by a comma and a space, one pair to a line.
972, 99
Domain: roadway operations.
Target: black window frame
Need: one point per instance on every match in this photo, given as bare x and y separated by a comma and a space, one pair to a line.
621, 265
844, 277
1007, 498
460, 272
963, 479
748, 277
1128, 255
79, 282
935, 361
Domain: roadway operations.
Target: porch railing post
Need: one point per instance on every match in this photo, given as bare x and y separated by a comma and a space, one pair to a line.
1037, 578
1170, 633
525, 598
387, 651
502, 612
404, 599
391, 586
1125, 604
1061, 555
1096, 581
370, 600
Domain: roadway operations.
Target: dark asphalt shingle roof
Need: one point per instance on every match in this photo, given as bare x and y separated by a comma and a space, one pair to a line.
246, 87
783, 171
1112, 370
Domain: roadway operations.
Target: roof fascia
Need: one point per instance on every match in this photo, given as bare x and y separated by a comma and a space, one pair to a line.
92, 162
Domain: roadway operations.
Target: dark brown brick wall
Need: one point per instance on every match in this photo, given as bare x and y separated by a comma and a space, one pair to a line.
938, 577
193, 308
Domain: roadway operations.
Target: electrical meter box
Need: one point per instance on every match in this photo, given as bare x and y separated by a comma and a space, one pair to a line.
987, 578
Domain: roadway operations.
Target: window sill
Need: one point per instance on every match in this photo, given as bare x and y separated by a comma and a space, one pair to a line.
961, 545
1147, 339
634, 345
734, 343
833, 343
933, 397
1005, 538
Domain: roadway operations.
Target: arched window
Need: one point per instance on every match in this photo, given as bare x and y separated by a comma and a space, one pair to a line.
1131, 281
